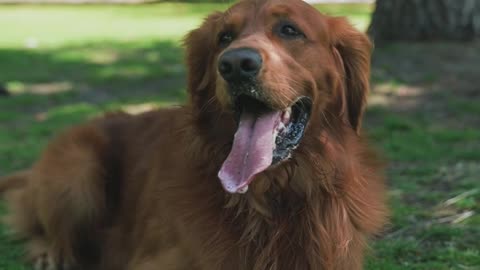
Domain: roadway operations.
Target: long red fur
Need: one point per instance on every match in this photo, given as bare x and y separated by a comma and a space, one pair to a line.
141, 192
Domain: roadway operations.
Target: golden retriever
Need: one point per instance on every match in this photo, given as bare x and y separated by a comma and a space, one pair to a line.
263, 168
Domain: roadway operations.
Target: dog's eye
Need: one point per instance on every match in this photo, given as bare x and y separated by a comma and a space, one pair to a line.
225, 38
290, 31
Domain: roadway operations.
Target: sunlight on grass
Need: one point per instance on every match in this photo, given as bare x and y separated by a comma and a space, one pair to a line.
386, 93
54, 26
358, 14
143, 107
16, 87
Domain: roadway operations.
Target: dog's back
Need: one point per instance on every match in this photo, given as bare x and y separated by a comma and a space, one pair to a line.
67, 205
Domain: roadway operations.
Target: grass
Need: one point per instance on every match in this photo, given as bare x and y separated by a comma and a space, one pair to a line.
67, 64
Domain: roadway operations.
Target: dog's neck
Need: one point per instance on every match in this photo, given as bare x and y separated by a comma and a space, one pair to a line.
279, 220
289, 217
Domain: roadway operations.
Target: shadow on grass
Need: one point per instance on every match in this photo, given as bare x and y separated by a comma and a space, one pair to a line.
420, 77
96, 72
56, 88
424, 115
425, 99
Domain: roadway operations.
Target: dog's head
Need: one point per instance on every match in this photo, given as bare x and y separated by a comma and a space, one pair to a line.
279, 68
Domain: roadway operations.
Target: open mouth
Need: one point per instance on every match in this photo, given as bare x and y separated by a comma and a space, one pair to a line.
264, 137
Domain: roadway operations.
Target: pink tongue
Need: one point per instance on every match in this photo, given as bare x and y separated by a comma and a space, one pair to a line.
251, 152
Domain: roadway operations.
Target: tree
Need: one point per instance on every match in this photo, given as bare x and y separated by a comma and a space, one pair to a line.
425, 20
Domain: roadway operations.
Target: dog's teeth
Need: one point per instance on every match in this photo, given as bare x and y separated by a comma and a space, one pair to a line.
243, 190
286, 115
281, 127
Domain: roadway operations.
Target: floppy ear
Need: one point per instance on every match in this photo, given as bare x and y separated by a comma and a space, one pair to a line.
353, 50
199, 45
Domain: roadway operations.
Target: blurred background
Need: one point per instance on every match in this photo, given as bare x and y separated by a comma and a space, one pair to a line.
65, 61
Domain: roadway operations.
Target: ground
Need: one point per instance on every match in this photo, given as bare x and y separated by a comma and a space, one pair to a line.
64, 65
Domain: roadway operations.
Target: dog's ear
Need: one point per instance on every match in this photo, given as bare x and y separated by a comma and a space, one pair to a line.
199, 45
352, 50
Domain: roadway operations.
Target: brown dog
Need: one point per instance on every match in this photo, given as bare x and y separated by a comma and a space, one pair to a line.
264, 168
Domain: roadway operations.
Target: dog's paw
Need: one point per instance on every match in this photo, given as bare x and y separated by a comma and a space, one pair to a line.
47, 261
44, 262
42, 257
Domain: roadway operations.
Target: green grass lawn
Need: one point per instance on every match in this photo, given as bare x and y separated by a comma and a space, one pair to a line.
67, 64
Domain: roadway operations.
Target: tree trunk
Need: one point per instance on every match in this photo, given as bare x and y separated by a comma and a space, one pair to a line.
425, 20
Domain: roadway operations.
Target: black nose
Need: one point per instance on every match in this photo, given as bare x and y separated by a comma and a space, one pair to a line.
238, 65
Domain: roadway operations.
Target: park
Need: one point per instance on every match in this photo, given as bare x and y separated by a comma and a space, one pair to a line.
62, 64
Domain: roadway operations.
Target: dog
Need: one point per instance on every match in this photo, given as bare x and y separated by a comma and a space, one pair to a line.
264, 167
